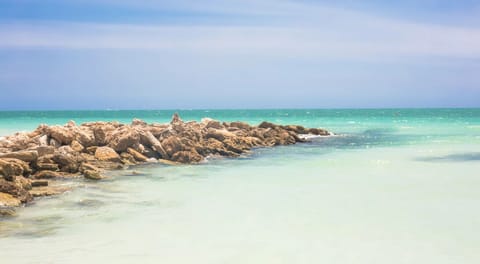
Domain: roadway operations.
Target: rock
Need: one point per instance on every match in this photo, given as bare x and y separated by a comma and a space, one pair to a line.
45, 150
39, 183
100, 134
93, 175
92, 150
54, 143
7, 200
107, 154
169, 162
187, 157
214, 124
48, 190
218, 134
87, 166
46, 174
43, 141
76, 146
138, 122
267, 125
171, 145
127, 158
8, 212
123, 139
150, 153
137, 155
23, 182
317, 131
62, 135
240, 125
16, 189
176, 119
154, 143
47, 166
10, 170
25, 155
85, 137
67, 162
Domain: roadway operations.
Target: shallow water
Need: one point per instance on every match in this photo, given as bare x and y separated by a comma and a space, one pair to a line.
396, 186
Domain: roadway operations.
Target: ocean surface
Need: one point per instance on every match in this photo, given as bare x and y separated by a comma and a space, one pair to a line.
393, 186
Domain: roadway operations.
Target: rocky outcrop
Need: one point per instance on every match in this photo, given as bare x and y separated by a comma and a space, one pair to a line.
30, 162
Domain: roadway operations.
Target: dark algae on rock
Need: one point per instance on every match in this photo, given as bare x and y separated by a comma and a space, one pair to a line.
31, 163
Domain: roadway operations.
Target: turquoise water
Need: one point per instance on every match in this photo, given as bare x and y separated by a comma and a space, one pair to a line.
395, 186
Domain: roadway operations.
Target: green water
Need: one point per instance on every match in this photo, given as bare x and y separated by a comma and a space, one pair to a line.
394, 186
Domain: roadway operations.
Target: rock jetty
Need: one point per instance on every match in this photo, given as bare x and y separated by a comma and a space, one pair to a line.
31, 163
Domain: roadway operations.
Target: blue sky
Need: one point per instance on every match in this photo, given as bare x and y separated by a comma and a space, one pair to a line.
141, 54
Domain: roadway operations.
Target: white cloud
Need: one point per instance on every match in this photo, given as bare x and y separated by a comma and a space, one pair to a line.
304, 31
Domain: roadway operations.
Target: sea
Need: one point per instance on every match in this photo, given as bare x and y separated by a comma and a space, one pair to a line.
391, 186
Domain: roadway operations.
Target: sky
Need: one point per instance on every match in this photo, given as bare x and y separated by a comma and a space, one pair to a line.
217, 54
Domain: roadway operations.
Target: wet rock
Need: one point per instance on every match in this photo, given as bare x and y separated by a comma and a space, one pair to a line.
107, 154
87, 166
49, 190
127, 158
93, 175
168, 162
187, 157
317, 131
137, 155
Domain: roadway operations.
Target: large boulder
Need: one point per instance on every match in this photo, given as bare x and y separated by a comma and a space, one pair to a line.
124, 138
107, 154
62, 135
85, 136
10, 168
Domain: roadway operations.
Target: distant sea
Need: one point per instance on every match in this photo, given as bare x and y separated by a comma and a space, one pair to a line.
393, 186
